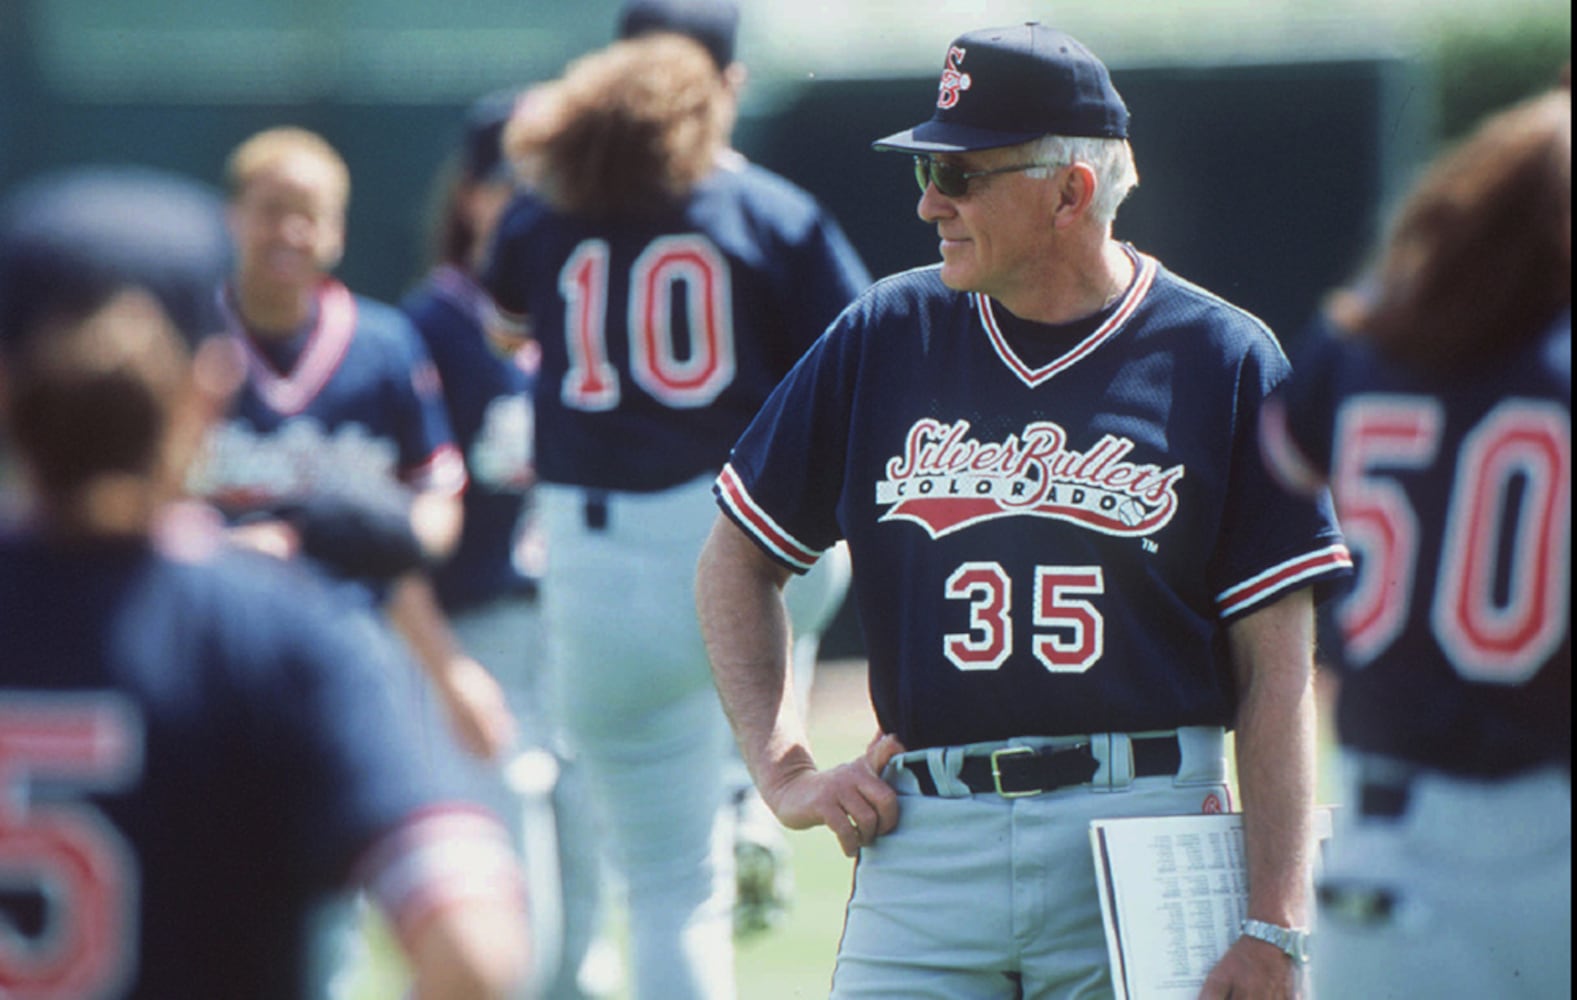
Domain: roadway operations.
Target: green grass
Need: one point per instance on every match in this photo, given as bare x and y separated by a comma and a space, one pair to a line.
794, 960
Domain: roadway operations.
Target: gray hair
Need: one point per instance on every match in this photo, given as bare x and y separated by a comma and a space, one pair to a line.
1111, 159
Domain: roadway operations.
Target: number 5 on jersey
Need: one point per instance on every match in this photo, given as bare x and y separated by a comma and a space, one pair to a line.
64, 848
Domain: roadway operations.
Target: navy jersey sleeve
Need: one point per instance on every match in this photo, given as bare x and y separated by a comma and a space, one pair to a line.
1273, 541
428, 457
327, 725
768, 487
506, 256
828, 276
1298, 421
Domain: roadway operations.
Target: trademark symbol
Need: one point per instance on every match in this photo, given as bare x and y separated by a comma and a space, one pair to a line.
1149, 546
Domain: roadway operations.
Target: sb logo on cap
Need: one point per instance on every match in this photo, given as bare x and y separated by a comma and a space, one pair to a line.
953, 79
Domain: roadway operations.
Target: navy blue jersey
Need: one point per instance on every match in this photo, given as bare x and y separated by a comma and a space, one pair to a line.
661, 337
488, 398
193, 753
1456, 496
1041, 546
360, 415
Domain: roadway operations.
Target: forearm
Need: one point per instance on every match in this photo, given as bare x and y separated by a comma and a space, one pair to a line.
479, 950
414, 611
478, 710
1273, 651
739, 600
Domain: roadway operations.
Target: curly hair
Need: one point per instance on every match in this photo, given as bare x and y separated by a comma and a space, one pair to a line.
1478, 258
626, 131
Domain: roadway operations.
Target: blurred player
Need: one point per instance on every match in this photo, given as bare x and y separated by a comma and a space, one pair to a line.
670, 285
337, 447
1436, 400
763, 869
1072, 570
489, 587
195, 752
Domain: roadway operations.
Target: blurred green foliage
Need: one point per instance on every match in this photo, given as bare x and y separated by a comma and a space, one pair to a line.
1480, 67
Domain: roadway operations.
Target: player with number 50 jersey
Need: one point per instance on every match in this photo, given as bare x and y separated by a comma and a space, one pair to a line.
1434, 396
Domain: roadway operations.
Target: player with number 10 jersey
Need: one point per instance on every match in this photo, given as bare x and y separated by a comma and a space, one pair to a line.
670, 285
661, 337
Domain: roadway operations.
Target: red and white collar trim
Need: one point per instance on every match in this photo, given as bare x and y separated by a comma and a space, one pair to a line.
289, 394
1033, 377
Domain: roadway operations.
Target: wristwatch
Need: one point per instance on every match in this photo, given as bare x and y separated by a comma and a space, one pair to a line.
1290, 940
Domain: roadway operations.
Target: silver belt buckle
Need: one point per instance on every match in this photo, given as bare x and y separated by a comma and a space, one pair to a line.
996, 770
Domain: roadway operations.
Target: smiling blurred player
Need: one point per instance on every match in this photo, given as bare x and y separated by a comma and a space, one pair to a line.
194, 750
337, 448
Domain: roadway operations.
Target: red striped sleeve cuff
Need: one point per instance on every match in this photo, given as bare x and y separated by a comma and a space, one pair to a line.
768, 533
443, 472
438, 859
1282, 578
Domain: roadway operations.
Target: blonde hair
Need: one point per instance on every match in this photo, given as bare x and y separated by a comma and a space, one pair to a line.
628, 130
267, 149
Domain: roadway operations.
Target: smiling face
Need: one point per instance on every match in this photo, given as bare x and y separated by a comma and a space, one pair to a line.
995, 236
288, 222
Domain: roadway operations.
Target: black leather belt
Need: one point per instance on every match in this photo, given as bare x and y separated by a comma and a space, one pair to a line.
595, 510
1013, 772
1387, 800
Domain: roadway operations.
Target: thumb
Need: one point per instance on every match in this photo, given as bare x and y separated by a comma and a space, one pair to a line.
884, 747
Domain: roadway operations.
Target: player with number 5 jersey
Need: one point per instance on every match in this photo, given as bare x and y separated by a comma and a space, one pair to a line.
670, 284
198, 749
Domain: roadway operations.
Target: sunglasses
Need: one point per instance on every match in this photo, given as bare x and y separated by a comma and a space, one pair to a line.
953, 181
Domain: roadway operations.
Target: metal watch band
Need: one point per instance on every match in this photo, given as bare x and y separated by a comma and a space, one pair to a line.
1290, 940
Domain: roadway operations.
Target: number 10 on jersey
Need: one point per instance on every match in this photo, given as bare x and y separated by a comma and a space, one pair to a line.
683, 379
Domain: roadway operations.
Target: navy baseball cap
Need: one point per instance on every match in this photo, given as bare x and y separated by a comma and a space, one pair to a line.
713, 23
1004, 86
482, 149
71, 239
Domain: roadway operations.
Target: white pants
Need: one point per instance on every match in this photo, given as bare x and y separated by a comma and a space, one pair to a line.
1466, 894
549, 820
980, 897
643, 720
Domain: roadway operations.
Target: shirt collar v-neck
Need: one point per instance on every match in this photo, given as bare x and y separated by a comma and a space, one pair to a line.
1115, 318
